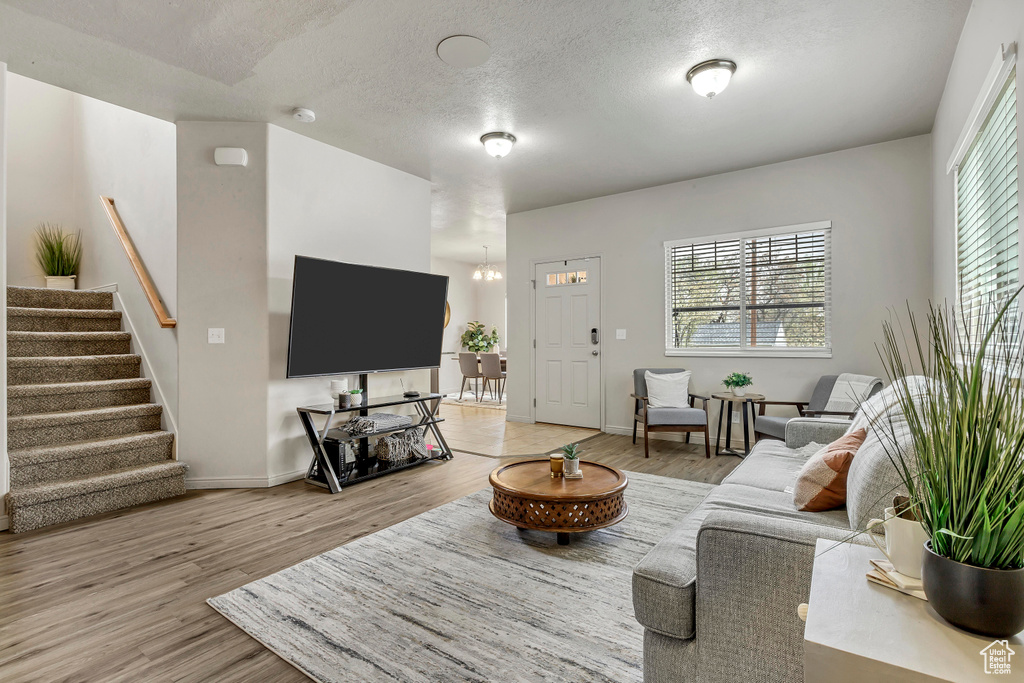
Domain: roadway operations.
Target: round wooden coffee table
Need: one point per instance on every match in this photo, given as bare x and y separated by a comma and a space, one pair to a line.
526, 496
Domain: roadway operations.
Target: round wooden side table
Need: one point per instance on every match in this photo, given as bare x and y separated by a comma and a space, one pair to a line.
528, 497
744, 401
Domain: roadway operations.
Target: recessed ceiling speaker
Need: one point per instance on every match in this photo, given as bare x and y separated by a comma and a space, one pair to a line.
304, 115
463, 52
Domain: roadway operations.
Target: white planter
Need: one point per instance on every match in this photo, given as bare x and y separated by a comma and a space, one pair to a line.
739, 391
60, 281
356, 399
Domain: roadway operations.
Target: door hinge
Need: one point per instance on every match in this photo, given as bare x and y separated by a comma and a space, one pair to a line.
534, 343
534, 282
534, 403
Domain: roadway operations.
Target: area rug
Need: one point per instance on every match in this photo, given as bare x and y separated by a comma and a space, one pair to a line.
469, 399
457, 595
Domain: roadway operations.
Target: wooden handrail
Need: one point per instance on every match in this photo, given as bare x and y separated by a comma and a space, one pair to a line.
145, 280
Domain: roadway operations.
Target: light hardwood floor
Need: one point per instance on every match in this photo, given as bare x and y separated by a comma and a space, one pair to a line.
121, 596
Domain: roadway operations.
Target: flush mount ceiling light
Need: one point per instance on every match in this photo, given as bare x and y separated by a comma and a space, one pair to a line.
463, 52
498, 145
485, 271
711, 77
304, 115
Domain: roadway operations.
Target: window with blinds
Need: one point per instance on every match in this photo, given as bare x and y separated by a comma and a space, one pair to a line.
760, 292
986, 210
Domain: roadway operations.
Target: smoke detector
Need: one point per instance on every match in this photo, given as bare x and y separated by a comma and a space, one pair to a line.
303, 115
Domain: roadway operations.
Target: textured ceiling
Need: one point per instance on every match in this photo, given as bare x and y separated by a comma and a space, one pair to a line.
594, 90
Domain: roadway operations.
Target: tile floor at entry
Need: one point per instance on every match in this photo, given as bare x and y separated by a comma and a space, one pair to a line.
484, 431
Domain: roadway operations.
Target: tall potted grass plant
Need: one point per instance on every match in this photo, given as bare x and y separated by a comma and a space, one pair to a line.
59, 254
964, 468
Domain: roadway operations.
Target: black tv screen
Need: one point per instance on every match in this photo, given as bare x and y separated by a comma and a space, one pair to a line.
349, 319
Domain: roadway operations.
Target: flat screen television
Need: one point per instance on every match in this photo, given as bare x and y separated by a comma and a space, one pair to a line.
351, 319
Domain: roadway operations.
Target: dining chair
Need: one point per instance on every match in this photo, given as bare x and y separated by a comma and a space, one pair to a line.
470, 370
491, 366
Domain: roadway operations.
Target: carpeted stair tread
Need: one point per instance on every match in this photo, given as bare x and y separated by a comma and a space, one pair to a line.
62, 320
36, 297
66, 344
64, 388
28, 399
44, 493
78, 449
25, 431
79, 416
60, 369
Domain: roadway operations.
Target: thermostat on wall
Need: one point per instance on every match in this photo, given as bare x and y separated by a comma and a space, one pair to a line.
230, 156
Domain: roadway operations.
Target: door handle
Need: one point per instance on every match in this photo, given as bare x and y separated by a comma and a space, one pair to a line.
593, 336
594, 352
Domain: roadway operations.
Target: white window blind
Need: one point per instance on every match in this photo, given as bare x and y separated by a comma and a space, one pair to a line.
764, 292
986, 208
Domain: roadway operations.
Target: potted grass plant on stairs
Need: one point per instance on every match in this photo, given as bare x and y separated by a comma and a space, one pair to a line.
59, 254
959, 450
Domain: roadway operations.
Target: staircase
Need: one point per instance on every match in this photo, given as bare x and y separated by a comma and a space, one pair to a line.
82, 434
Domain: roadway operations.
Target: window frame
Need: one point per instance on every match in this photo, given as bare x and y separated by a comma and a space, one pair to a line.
744, 350
999, 72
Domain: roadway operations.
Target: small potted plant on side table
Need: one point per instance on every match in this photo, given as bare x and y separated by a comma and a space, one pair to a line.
356, 397
738, 382
571, 453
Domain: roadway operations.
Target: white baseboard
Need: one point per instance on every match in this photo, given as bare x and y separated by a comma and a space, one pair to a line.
244, 482
519, 418
5, 523
279, 479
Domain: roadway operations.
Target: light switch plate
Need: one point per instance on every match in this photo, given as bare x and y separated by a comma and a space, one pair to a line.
215, 335
620, 334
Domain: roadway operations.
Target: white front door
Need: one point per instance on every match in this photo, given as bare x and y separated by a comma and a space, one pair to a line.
568, 324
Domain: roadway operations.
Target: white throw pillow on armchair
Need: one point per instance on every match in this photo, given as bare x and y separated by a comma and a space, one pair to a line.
668, 390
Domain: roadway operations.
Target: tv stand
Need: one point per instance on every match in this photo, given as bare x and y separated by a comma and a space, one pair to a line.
322, 472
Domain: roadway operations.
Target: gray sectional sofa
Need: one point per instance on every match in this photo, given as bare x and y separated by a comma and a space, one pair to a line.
718, 596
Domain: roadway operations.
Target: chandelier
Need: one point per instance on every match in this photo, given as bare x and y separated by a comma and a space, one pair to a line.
485, 271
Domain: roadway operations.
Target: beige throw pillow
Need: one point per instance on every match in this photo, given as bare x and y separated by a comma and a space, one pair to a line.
821, 484
668, 390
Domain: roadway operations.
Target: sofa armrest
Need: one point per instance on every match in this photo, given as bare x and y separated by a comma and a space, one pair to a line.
801, 431
753, 571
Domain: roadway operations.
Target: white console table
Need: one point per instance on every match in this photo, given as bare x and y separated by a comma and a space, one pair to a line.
857, 631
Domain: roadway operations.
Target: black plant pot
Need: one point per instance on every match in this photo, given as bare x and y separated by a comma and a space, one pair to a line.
989, 602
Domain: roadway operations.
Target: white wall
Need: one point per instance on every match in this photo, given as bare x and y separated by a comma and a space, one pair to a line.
222, 257
329, 203
877, 197
990, 23
4, 464
470, 300
66, 151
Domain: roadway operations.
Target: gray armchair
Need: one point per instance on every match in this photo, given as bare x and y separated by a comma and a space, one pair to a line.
774, 426
685, 419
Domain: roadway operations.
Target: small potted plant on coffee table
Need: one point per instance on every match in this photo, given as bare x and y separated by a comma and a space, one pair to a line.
571, 453
738, 382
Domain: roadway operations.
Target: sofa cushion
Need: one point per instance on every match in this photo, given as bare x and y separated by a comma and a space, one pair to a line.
873, 479
771, 465
694, 417
665, 579
772, 425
